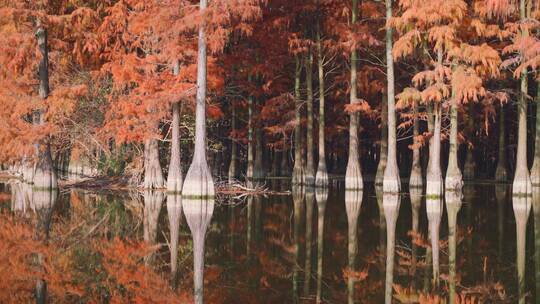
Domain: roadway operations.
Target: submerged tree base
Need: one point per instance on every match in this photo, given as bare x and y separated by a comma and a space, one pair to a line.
321, 178
522, 185
416, 180
198, 183
174, 185
309, 179
298, 176
453, 182
45, 179
27, 173
434, 187
469, 169
379, 175
391, 185
391, 180
500, 174
535, 171
353, 176
153, 176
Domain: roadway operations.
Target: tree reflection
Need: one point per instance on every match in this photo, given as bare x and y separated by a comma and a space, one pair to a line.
536, 213
453, 205
19, 203
501, 194
434, 213
353, 202
382, 222
522, 208
43, 205
391, 204
321, 195
249, 230
174, 212
232, 227
257, 229
415, 194
298, 198
468, 198
310, 201
152, 206
25, 198
198, 214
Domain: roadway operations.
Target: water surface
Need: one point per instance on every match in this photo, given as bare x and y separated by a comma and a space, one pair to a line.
306, 246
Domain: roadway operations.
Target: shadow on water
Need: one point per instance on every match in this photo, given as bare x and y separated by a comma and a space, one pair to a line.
316, 245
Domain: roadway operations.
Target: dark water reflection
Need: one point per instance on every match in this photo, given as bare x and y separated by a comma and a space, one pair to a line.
318, 246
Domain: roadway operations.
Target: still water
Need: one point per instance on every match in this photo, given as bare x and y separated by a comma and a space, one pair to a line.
306, 246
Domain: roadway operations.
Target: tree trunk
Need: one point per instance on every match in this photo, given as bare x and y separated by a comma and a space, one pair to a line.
198, 182
276, 159
469, 167
522, 182
434, 183
258, 169
501, 174
416, 181
535, 170
153, 176
430, 119
321, 178
27, 169
44, 176
250, 150
383, 147
285, 170
232, 164
174, 178
298, 177
353, 173
391, 182
258, 166
310, 167
453, 180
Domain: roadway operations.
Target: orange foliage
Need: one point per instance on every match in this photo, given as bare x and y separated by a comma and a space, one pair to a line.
129, 279
19, 249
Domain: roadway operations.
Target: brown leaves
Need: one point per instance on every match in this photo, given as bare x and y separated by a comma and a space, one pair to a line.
355, 275
467, 85
360, 106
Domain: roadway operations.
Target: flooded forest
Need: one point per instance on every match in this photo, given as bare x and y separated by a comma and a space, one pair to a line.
270, 151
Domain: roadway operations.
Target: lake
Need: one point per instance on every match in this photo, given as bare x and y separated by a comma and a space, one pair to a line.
299, 247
